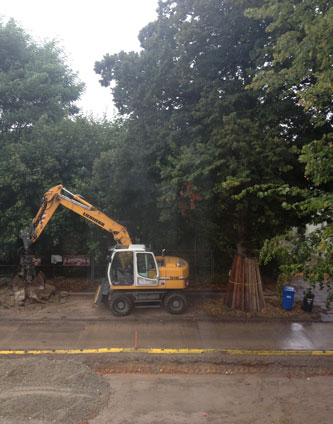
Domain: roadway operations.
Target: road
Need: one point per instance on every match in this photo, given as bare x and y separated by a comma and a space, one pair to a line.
173, 389
79, 326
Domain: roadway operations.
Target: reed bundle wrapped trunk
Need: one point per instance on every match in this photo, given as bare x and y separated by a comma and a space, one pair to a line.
244, 290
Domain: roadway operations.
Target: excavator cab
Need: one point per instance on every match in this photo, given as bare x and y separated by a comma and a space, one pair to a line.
133, 266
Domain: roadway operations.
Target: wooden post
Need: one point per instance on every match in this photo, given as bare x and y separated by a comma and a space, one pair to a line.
244, 290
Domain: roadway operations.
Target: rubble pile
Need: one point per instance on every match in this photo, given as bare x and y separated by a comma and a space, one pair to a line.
20, 292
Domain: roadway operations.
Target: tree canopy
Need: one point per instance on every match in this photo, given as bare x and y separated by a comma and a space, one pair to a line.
207, 140
43, 142
302, 66
223, 140
35, 82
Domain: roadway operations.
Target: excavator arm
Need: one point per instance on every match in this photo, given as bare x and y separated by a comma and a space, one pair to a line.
55, 197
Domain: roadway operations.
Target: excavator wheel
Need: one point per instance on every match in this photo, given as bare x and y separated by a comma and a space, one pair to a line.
175, 303
121, 304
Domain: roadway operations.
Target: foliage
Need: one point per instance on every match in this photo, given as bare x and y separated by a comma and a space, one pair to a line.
225, 137
199, 127
302, 67
122, 184
35, 82
302, 55
63, 153
309, 254
42, 144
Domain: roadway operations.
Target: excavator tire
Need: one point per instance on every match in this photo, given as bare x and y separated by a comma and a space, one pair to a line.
120, 304
175, 303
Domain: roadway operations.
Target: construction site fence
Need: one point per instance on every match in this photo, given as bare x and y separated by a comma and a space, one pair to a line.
201, 263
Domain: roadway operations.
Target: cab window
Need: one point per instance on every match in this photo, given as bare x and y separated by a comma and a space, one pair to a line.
146, 265
122, 269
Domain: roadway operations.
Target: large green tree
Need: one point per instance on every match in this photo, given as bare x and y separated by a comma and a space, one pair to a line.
207, 141
35, 82
58, 153
302, 66
43, 142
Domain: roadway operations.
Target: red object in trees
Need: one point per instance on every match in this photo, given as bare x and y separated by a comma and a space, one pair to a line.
188, 204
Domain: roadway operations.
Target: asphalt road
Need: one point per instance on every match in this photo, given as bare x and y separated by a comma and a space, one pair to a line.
165, 334
78, 324
195, 388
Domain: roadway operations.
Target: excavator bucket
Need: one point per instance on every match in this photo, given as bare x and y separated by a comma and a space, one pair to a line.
38, 289
19, 290
39, 281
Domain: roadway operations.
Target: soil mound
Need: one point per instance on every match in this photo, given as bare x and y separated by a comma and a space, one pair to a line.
44, 391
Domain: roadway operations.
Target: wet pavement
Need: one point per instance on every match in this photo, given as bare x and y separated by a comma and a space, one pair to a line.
79, 324
164, 334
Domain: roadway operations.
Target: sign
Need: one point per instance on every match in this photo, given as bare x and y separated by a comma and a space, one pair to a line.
76, 260
56, 259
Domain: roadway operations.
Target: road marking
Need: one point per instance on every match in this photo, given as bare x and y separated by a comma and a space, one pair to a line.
169, 351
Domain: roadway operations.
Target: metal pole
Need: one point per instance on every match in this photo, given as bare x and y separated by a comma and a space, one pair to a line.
92, 269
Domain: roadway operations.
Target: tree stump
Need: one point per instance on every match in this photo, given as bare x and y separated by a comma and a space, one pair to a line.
244, 290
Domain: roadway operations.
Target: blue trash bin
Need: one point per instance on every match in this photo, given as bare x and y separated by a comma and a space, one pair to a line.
288, 294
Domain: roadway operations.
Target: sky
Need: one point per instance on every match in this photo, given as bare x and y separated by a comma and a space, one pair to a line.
86, 30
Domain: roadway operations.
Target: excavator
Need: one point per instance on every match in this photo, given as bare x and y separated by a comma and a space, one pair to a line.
135, 276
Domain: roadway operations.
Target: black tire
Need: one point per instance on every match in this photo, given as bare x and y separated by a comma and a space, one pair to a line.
121, 305
175, 303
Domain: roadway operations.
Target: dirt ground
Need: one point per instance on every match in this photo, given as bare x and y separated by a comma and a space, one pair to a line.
216, 308
65, 303
218, 399
41, 390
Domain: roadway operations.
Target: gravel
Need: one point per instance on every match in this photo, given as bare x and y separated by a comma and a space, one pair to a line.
44, 391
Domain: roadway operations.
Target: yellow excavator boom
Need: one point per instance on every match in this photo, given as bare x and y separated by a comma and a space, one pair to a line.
55, 197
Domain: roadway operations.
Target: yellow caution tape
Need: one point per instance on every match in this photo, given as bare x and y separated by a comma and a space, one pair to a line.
245, 283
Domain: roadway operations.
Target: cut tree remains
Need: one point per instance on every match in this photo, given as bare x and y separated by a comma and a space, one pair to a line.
244, 290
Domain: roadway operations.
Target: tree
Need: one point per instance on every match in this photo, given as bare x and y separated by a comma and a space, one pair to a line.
35, 82
207, 140
40, 142
302, 67
302, 55
58, 153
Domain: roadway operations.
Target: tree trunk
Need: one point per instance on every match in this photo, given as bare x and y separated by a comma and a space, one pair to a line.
240, 249
244, 290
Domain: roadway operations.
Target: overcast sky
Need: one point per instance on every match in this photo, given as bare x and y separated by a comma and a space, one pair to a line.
86, 30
